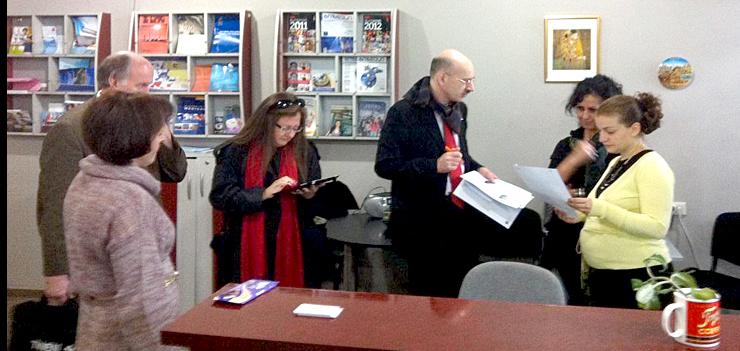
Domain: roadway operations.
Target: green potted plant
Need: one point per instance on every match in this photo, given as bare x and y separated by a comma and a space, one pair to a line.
648, 291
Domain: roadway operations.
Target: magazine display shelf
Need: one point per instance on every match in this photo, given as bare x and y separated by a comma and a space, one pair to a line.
44, 68
214, 101
315, 61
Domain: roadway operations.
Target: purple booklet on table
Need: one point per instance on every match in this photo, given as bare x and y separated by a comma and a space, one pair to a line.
247, 291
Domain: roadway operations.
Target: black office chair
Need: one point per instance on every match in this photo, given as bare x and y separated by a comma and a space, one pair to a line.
725, 246
522, 241
323, 258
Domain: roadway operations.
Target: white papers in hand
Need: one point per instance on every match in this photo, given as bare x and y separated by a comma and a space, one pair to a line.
499, 200
547, 184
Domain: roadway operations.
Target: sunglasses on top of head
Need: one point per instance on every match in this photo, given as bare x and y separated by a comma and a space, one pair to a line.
281, 104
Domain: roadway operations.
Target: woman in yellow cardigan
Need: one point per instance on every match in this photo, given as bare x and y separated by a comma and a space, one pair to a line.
628, 212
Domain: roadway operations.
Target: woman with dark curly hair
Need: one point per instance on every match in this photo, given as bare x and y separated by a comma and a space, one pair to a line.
580, 160
628, 212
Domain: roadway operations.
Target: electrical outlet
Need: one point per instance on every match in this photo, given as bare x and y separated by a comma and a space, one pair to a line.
679, 208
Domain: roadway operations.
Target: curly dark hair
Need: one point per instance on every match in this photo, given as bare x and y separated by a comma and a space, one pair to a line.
598, 85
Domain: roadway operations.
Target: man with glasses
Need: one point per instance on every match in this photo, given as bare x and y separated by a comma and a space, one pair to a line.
63, 148
423, 151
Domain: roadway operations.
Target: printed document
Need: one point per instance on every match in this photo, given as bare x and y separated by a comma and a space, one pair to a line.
547, 184
499, 200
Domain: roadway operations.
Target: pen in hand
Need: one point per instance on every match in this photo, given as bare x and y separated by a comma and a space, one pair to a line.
448, 149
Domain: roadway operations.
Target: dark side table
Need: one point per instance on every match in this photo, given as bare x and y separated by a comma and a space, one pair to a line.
356, 232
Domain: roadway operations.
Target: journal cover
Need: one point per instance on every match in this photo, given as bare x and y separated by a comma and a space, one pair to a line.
86, 34
302, 33
247, 291
76, 74
337, 32
191, 37
226, 35
190, 119
371, 117
372, 74
376, 33
153, 34
224, 77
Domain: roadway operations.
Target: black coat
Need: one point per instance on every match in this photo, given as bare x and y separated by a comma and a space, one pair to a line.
229, 195
409, 146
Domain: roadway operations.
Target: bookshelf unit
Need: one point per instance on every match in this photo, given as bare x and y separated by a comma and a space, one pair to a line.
344, 63
192, 59
39, 63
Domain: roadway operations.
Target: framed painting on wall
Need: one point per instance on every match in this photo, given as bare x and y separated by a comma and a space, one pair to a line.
571, 48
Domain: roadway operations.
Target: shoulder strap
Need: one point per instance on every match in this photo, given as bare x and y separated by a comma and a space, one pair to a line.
617, 170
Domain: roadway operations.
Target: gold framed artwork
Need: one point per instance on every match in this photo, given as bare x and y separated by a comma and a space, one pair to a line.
571, 48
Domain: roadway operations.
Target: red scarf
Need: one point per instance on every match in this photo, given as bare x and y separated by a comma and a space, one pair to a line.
288, 255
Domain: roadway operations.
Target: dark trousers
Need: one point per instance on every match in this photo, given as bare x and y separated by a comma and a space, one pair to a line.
560, 254
439, 247
613, 287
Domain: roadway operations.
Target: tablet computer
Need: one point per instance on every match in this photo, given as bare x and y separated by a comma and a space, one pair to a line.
326, 180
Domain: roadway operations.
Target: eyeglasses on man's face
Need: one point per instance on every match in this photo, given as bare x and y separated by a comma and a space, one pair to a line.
466, 82
280, 104
288, 130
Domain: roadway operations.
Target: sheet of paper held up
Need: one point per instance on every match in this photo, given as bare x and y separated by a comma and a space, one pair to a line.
501, 201
547, 184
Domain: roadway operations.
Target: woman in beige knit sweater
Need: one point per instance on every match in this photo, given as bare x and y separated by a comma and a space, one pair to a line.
118, 237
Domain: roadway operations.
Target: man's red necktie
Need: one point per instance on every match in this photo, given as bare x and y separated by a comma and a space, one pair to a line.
455, 174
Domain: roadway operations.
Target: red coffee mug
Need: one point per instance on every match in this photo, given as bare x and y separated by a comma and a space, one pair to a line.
696, 322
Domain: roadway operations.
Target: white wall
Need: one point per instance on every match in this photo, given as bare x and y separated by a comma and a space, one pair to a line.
514, 116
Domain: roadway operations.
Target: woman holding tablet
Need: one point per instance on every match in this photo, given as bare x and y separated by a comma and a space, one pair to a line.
255, 184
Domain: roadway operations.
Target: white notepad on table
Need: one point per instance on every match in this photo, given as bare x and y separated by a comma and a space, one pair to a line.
313, 310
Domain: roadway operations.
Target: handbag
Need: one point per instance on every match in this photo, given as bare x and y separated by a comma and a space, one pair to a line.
36, 325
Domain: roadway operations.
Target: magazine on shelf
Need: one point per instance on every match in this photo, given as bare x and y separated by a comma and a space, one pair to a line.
228, 121
191, 116
51, 40
19, 121
371, 116
50, 117
376, 34
86, 33
337, 32
302, 33
312, 120
23, 84
226, 35
191, 35
224, 77
76, 74
299, 76
349, 74
170, 75
153, 34
21, 41
341, 121
322, 81
372, 74
202, 78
